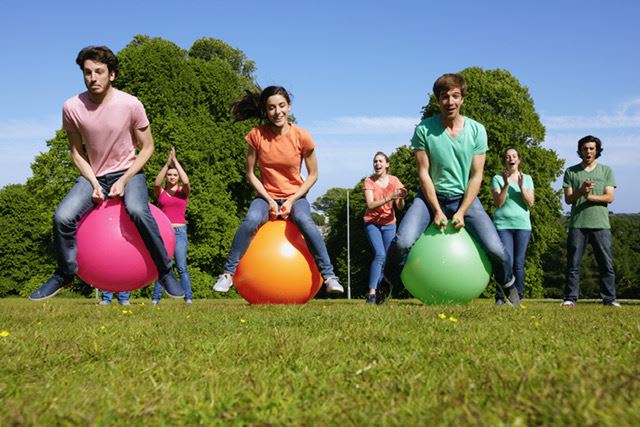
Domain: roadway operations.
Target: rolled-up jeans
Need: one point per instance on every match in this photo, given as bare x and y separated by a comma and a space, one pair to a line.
300, 215
477, 222
78, 202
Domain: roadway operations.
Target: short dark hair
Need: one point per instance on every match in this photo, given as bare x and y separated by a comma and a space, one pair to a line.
100, 54
590, 138
449, 81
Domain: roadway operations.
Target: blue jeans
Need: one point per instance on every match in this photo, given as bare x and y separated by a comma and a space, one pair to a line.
77, 203
515, 243
600, 240
300, 215
380, 237
122, 296
180, 257
419, 216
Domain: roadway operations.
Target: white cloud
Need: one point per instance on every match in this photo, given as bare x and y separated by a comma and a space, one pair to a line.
20, 129
627, 116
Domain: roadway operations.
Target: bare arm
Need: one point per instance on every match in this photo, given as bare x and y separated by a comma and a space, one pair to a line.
500, 194
607, 197
250, 172
157, 184
145, 142
428, 189
184, 178
82, 163
570, 196
473, 188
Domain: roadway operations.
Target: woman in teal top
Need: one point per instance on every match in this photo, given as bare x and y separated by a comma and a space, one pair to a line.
513, 197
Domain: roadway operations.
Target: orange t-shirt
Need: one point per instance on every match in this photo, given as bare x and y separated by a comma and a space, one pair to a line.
280, 158
382, 215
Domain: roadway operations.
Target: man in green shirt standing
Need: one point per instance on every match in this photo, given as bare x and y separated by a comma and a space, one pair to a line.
589, 188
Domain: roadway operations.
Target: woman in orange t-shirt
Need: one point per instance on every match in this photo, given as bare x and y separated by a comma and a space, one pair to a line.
278, 148
381, 192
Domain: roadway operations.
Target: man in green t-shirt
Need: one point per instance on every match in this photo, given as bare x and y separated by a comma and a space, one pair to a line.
450, 152
589, 188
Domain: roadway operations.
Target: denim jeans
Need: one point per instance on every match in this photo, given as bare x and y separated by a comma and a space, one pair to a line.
515, 243
300, 215
600, 240
380, 237
180, 258
77, 203
122, 296
477, 223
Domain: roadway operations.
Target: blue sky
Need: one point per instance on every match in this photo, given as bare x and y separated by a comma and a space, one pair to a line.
359, 71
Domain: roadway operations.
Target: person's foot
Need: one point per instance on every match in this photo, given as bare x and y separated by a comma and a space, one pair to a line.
188, 301
51, 287
567, 303
224, 283
371, 298
499, 301
333, 286
155, 301
103, 302
171, 286
613, 303
125, 303
383, 291
511, 292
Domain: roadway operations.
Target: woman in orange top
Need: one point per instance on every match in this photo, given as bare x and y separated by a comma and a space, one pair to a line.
278, 147
381, 192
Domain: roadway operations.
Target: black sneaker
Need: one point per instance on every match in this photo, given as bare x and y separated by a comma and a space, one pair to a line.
371, 298
51, 287
171, 286
383, 291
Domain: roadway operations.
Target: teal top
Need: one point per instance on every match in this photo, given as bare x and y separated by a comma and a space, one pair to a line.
585, 214
514, 213
450, 158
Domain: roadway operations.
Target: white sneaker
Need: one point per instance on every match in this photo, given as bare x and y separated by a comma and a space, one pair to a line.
188, 301
103, 302
224, 283
613, 304
154, 302
333, 286
125, 303
568, 303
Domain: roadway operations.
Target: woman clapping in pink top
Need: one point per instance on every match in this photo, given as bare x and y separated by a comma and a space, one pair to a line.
173, 197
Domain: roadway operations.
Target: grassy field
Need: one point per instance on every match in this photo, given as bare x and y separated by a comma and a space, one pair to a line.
330, 362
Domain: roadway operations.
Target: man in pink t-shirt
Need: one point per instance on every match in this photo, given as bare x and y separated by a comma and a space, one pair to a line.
104, 126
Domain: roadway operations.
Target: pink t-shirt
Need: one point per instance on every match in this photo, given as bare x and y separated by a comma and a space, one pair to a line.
174, 207
383, 215
107, 129
280, 158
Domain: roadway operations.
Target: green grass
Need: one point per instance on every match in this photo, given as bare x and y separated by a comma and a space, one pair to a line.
333, 362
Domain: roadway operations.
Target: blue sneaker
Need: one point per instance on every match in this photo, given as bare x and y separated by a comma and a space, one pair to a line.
51, 287
171, 286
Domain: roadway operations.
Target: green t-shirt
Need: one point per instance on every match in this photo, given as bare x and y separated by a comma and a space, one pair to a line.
449, 159
585, 214
514, 213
